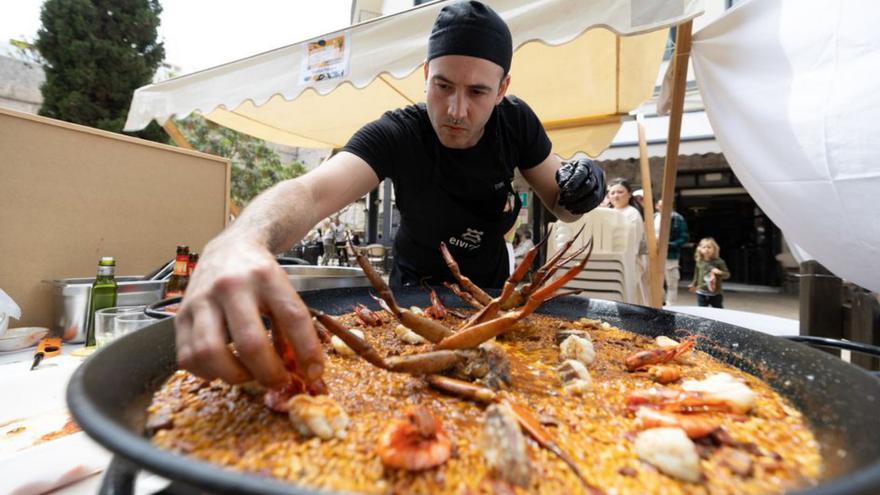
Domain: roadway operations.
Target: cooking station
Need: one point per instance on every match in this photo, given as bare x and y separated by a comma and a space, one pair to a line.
792, 123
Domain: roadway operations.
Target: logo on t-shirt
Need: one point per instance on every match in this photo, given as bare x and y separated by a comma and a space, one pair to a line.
470, 239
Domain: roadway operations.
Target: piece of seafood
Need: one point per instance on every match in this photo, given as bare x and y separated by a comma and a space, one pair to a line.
694, 425
415, 442
724, 387
408, 336
671, 451
504, 446
319, 416
565, 333
642, 359
665, 342
579, 348
436, 311
341, 348
575, 377
664, 374
366, 316
487, 365
690, 401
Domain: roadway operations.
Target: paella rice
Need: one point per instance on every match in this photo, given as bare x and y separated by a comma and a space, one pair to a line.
770, 449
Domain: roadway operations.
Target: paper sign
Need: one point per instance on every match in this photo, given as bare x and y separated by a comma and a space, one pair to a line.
325, 59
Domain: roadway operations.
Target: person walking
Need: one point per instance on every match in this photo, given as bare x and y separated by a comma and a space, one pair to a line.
329, 239
678, 235
708, 274
340, 238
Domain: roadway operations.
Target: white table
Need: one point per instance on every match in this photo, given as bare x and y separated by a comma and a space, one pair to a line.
74, 461
772, 325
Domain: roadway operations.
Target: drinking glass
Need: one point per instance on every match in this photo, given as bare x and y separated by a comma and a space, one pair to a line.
106, 322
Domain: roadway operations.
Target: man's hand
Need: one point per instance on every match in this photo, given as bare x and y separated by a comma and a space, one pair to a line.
235, 283
581, 185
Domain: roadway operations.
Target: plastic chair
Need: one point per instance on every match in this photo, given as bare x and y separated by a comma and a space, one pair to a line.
375, 253
612, 272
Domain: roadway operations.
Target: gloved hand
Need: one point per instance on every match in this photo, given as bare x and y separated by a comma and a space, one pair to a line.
581, 185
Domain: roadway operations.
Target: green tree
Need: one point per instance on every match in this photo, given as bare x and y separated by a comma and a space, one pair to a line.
255, 166
97, 52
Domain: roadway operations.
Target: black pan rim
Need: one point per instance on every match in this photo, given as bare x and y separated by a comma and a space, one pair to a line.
137, 449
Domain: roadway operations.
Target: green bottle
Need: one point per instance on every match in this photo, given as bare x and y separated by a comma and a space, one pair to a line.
103, 294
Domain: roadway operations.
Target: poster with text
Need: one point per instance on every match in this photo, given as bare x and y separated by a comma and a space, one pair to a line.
325, 59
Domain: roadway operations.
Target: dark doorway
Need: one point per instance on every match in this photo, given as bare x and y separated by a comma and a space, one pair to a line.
749, 240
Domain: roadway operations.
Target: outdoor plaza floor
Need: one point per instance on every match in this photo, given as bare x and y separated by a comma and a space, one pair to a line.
754, 301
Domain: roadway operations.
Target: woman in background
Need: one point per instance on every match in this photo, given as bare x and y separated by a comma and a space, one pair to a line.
621, 198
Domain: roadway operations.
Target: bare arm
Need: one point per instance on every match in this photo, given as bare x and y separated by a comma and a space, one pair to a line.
542, 178
238, 280
283, 214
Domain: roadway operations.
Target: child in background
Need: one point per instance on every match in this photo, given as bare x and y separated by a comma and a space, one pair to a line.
709, 271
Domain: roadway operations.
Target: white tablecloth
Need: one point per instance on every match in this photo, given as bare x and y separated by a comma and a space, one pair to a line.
772, 325
74, 462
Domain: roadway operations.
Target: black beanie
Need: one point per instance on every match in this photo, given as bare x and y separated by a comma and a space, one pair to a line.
473, 29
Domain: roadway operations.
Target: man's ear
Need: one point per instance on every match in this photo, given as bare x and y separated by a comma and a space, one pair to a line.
425, 87
502, 88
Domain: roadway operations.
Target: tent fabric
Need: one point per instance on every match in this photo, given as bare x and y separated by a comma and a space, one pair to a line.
793, 100
575, 60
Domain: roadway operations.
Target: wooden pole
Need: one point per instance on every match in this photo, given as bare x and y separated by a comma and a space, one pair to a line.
670, 168
555, 125
176, 135
655, 292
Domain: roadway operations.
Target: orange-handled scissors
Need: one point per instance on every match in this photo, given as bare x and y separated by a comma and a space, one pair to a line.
48, 347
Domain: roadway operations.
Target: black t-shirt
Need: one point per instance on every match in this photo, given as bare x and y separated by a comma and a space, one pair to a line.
433, 183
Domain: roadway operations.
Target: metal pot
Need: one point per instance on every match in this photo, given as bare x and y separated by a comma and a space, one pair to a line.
109, 393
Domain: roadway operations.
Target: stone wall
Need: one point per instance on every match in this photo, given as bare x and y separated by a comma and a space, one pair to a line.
20, 85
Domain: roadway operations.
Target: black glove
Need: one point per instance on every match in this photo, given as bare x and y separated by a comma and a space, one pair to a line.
581, 185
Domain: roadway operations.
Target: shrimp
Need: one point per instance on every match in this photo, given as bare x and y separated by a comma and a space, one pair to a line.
367, 317
695, 426
724, 387
436, 311
415, 442
643, 359
720, 392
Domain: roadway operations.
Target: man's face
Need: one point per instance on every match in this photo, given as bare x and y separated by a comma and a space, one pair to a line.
461, 93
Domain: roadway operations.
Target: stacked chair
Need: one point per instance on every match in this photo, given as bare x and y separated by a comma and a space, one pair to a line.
612, 272
376, 254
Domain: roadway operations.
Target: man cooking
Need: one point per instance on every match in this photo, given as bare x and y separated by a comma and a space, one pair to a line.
451, 161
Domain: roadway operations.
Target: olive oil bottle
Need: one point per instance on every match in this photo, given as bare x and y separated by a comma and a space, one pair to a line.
103, 294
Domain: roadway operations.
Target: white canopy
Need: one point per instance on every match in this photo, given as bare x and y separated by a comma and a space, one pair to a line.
790, 87
579, 80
